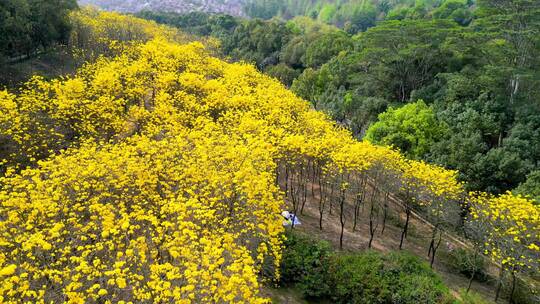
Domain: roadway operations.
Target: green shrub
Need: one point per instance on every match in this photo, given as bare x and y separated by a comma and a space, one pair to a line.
305, 263
465, 262
371, 277
368, 277
411, 280
358, 278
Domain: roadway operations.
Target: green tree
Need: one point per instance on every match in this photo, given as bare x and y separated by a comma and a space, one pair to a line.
531, 187
398, 57
258, 41
413, 129
27, 25
283, 73
309, 86
323, 48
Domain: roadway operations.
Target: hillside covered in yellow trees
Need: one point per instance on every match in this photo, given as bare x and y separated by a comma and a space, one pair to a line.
158, 173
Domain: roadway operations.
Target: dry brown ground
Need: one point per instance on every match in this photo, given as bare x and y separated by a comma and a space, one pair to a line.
417, 241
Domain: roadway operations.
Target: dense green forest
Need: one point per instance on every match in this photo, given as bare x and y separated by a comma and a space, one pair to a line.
475, 66
28, 26
358, 15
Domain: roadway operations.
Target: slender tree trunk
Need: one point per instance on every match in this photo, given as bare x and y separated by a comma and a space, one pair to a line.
321, 211
277, 177
322, 202
372, 226
286, 180
313, 177
295, 196
356, 210
432, 242
295, 206
435, 248
405, 228
475, 256
511, 300
499, 284
359, 200
304, 188
341, 218
331, 196
385, 212
470, 281
304, 198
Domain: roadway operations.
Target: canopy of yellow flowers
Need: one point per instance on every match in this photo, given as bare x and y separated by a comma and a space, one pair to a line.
152, 174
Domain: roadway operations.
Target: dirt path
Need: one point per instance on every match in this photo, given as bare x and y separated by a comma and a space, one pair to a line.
417, 241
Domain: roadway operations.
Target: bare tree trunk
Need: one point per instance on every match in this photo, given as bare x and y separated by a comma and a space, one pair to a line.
372, 225
304, 187
435, 248
511, 300
475, 256
277, 177
322, 202
405, 228
359, 201
341, 218
499, 284
385, 212
295, 198
314, 170
286, 179
331, 196
356, 209
432, 242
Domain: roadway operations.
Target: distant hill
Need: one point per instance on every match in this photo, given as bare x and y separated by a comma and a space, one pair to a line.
232, 7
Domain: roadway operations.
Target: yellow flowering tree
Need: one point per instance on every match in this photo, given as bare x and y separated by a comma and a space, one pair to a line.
511, 232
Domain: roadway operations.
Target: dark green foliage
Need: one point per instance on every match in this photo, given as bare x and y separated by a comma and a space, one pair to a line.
371, 277
283, 73
305, 263
454, 9
325, 47
531, 187
367, 277
29, 25
412, 280
258, 41
359, 278
197, 23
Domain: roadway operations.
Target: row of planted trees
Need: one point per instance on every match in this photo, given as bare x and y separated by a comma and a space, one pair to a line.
342, 176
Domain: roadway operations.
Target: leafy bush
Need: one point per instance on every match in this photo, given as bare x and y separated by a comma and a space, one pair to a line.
371, 277
358, 278
412, 280
305, 263
367, 277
